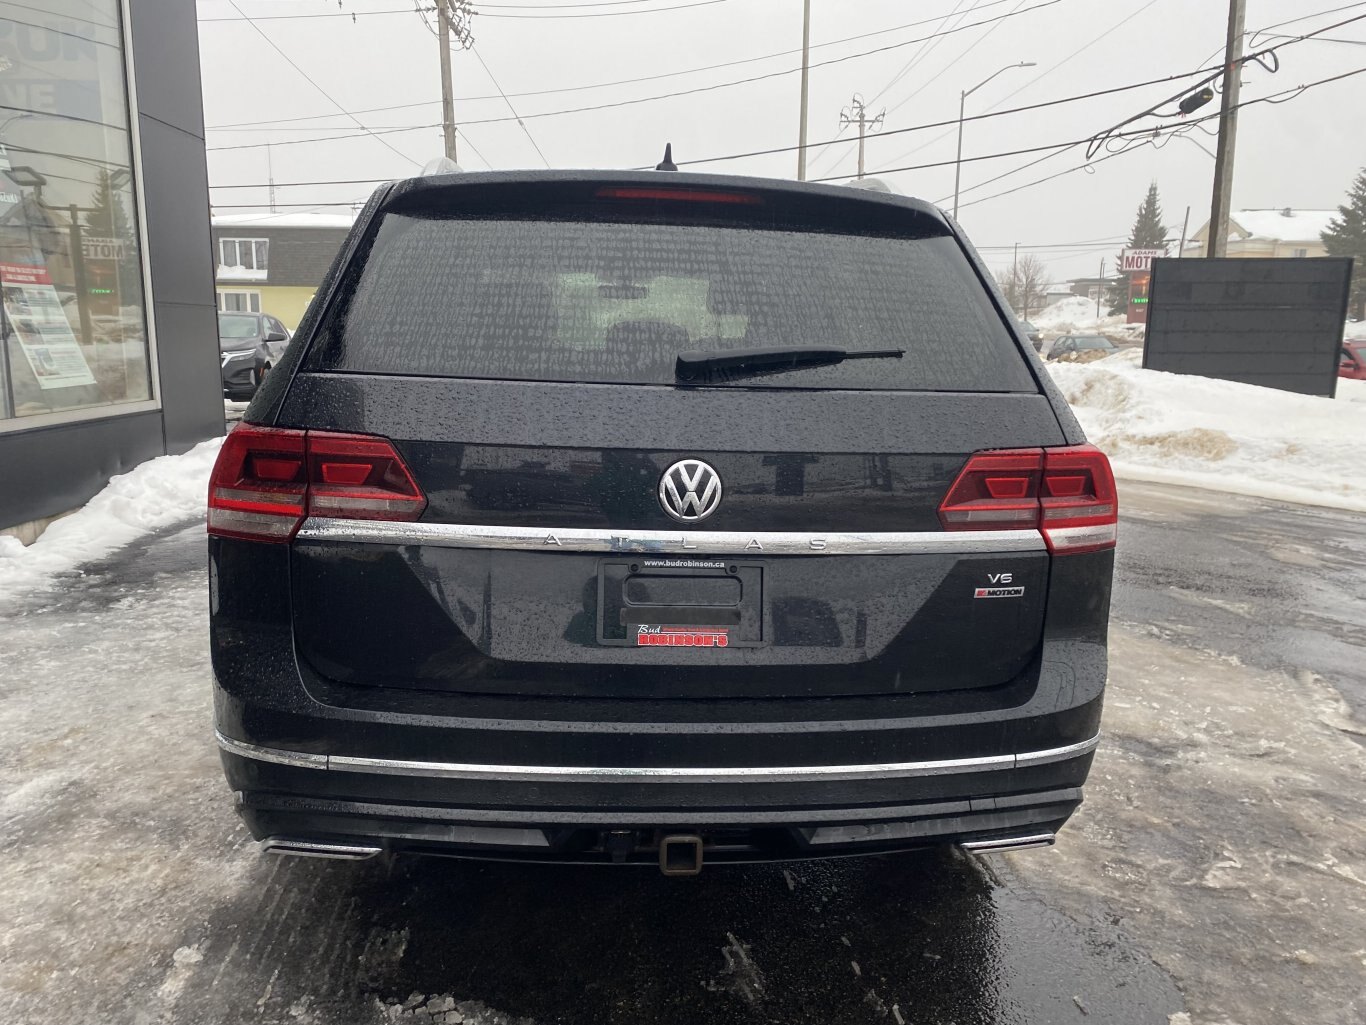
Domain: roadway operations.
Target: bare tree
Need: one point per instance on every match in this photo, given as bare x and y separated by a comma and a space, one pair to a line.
1025, 284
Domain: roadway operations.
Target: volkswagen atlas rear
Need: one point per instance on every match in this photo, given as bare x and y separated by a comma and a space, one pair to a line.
657, 518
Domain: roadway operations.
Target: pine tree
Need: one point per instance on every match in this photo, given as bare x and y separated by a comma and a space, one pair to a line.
1346, 236
1148, 233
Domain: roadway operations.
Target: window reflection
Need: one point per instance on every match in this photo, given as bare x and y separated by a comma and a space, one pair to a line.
73, 329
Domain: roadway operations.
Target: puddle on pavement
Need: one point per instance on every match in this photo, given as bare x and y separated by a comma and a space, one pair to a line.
912, 939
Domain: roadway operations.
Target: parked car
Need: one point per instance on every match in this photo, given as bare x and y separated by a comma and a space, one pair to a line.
1081, 348
250, 345
1034, 335
578, 525
1353, 362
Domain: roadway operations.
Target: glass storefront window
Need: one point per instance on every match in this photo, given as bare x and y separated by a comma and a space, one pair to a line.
72, 309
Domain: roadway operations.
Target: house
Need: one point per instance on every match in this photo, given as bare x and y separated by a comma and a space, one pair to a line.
1089, 288
1267, 233
274, 262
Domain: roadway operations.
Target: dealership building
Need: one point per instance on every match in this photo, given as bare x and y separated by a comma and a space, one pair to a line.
109, 354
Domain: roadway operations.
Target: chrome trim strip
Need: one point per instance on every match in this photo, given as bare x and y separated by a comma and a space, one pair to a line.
1056, 754
685, 774
671, 542
316, 849
1010, 843
300, 759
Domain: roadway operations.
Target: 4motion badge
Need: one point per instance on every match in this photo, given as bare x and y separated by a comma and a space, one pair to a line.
999, 587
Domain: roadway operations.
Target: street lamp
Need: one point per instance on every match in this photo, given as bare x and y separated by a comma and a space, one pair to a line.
962, 100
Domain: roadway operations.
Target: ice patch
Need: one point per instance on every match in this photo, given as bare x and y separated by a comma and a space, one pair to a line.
157, 493
1181, 429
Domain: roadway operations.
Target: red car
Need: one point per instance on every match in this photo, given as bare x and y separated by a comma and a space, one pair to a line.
1353, 363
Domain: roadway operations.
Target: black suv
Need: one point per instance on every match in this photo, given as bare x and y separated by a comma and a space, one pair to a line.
655, 517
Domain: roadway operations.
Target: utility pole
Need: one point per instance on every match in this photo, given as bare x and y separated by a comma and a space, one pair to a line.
1100, 286
270, 176
452, 20
1217, 243
1015, 266
806, 61
1185, 227
863, 121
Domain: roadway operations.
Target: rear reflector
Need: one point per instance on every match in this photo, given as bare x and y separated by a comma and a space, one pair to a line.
268, 480
677, 195
1068, 494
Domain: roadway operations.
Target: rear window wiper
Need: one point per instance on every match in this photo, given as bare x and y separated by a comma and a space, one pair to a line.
724, 364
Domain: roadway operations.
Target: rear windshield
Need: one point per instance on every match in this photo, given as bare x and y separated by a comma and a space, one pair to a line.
549, 300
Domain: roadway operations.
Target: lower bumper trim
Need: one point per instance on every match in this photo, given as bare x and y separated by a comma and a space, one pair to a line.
688, 774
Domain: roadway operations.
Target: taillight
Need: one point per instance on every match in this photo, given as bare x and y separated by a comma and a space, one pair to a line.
1068, 494
1078, 501
258, 487
355, 476
268, 480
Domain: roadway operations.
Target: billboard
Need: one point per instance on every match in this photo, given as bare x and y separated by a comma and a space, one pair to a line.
1275, 322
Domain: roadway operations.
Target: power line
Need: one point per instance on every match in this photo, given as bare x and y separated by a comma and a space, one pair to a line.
261, 32
788, 149
1288, 95
975, 117
607, 85
522, 124
1100, 137
1147, 137
353, 15
1307, 17
934, 78
1075, 53
914, 59
550, 12
601, 14
646, 99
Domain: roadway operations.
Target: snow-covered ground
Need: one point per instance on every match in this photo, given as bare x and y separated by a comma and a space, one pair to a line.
1075, 314
1178, 429
157, 493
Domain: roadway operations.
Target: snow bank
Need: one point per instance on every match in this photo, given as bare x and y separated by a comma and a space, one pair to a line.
1178, 429
1076, 315
1355, 330
157, 493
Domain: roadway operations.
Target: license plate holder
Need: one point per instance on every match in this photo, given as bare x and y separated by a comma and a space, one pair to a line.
675, 604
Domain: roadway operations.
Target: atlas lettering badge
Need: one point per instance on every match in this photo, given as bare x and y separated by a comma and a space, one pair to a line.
648, 636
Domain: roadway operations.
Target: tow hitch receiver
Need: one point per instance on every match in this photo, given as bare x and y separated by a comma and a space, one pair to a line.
680, 855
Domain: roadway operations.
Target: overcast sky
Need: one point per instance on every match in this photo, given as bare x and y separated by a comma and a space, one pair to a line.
553, 55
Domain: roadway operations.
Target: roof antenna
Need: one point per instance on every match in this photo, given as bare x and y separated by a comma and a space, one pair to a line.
667, 164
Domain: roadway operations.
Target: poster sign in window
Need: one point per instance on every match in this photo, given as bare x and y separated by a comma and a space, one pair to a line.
35, 316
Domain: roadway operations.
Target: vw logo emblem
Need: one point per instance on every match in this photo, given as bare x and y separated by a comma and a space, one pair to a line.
690, 490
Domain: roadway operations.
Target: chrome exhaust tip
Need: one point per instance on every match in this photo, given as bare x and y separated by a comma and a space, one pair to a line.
1009, 843
318, 849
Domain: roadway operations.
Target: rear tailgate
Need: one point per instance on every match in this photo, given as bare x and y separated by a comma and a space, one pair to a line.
522, 367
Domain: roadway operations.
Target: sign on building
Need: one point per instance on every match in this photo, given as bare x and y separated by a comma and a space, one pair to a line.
1138, 261
95, 248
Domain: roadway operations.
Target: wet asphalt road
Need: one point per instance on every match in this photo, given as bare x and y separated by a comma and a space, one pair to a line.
133, 896
1279, 587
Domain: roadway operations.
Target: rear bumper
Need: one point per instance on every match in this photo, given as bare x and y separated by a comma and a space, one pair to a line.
583, 814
